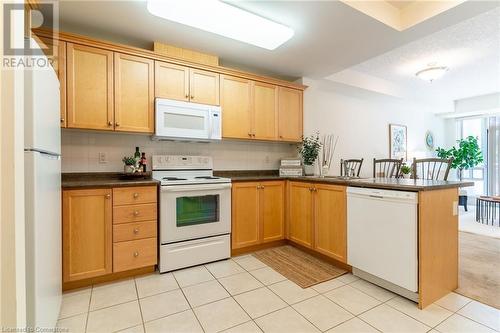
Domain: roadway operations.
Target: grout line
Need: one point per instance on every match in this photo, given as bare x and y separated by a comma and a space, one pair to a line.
139, 303
88, 307
192, 310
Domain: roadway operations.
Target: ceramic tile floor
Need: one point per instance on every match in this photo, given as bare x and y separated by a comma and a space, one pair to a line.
243, 295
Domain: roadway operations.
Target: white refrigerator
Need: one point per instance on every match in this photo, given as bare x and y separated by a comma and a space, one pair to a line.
42, 165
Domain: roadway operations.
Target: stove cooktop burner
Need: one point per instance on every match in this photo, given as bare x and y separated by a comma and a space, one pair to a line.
173, 178
206, 177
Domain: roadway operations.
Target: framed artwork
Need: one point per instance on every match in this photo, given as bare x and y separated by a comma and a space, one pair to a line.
398, 141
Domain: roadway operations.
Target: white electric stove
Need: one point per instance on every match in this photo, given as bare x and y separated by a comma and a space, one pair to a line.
195, 211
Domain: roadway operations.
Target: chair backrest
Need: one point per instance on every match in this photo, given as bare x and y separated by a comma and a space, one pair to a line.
431, 168
352, 164
386, 168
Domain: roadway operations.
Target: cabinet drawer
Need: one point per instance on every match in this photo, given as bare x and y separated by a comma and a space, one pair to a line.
134, 213
131, 231
134, 195
134, 254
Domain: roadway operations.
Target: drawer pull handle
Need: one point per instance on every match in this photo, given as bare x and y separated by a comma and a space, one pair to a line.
136, 195
136, 213
136, 230
136, 254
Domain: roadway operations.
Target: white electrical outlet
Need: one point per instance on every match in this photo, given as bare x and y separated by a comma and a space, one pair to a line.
102, 158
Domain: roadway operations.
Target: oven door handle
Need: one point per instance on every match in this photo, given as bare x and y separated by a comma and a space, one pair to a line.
198, 187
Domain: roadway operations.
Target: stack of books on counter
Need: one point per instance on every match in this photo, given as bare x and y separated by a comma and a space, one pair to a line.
291, 167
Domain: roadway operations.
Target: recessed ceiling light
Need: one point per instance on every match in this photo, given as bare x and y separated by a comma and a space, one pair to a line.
223, 19
432, 72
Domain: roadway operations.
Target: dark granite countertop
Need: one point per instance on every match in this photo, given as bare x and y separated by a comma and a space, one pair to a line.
381, 183
103, 179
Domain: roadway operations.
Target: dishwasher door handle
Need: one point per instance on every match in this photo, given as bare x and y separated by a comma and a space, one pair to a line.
376, 196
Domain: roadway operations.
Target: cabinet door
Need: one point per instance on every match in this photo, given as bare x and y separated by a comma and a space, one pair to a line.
236, 107
272, 210
300, 228
171, 81
87, 234
134, 96
265, 111
203, 87
89, 87
290, 114
330, 221
245, 214
58, 61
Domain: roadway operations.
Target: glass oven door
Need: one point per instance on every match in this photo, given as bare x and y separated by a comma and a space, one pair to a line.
194, 211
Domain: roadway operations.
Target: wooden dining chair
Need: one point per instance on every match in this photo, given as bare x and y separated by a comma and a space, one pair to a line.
431, 168
352, 164
386, 168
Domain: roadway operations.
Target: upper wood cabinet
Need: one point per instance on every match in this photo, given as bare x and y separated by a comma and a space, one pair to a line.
265, 111
134, 94
290, 114
330, 221
87, 233
89, 87
58, 60
235, 100
203, 87
186, 84
257, 213
171, 81
300, 215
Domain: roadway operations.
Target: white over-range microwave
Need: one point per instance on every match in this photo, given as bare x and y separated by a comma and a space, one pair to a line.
178, 120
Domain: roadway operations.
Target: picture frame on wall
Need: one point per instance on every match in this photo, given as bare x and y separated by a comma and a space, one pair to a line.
398, 140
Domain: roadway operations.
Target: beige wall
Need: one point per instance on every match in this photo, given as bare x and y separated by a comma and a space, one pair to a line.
80, 151
361, 120
12, 267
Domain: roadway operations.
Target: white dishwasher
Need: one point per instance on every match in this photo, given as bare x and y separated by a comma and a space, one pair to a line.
382, 238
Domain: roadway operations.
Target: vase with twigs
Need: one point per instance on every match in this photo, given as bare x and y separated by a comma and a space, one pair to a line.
329, 145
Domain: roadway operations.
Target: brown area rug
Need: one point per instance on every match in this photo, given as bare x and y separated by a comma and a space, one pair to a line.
479, 273
299, 266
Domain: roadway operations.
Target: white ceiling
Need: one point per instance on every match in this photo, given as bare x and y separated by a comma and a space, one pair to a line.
329, 35
471, 50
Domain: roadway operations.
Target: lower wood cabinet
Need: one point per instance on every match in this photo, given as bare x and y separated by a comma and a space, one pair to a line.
87, 234
257, 213
317, 218
107, 231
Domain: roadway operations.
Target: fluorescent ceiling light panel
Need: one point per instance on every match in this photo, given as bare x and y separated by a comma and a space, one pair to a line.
223, 19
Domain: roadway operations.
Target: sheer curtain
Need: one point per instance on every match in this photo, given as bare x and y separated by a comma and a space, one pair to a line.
494, 155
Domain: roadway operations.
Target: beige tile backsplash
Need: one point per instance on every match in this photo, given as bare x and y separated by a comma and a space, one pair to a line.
80, 151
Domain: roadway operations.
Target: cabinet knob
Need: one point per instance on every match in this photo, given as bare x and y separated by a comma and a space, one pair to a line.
187, 96
136, 254
250, 134
136, 213
110, 123
62, 120
117, 124
108, 196
281, 136
136, 231
136, 195
192, 96
262, 187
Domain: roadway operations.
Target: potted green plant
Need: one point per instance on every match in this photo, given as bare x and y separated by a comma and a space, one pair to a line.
129, 162
466, 156
405, 171
309, 150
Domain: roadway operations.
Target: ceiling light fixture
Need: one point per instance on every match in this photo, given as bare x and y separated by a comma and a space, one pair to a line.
432, 72
223, 19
